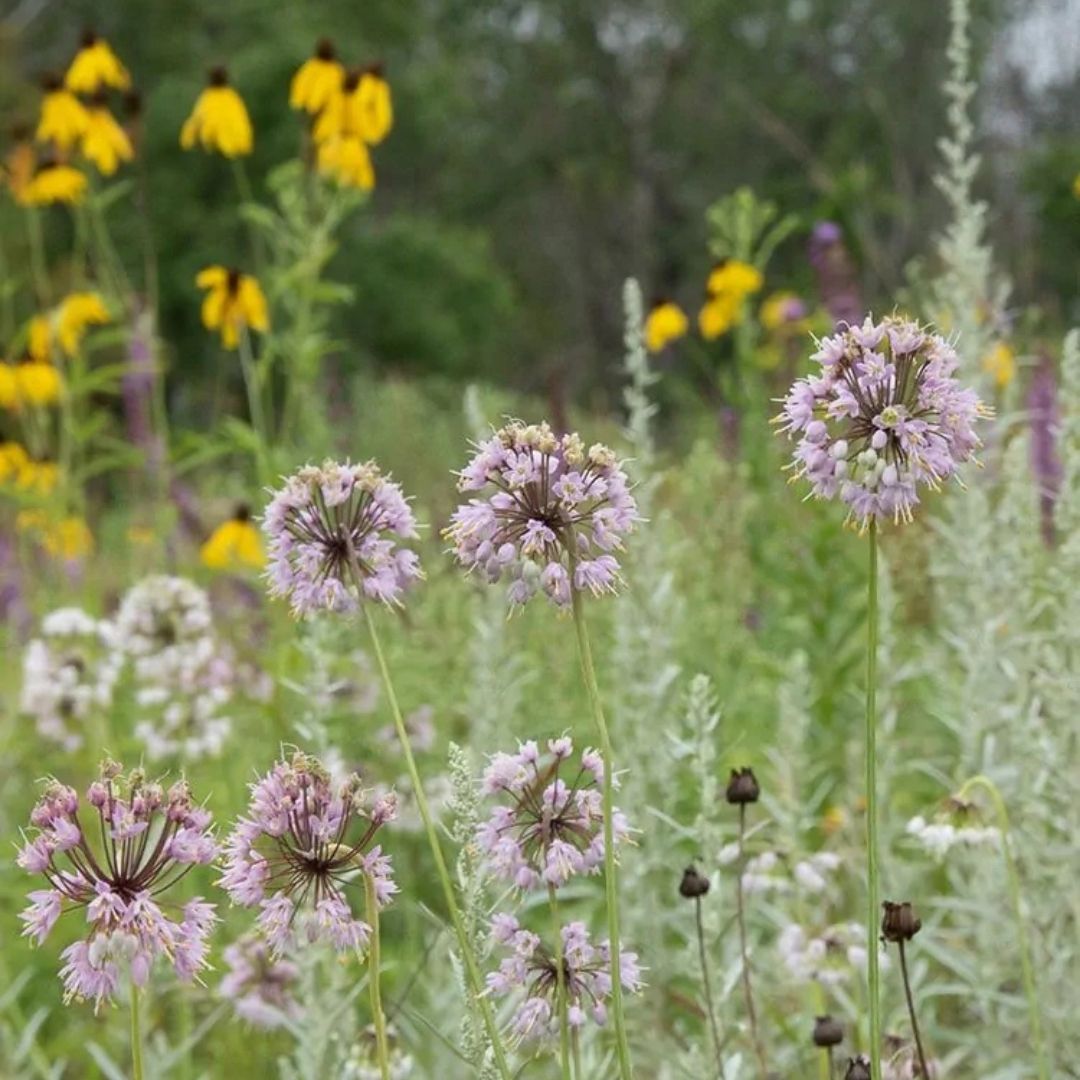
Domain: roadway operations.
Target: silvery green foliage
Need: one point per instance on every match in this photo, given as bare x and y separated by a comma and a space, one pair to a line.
464, 816
968, 288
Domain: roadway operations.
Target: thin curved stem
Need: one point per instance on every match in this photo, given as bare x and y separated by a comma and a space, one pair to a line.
717, 1044
611, 885
465, 948
560, 984
911, 1011
748, 990
136, 1036
374, 963
1012, 873
252, 384
872, 882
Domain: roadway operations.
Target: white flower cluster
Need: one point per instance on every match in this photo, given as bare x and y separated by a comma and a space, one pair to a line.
940, 837
69, 672
361, 1063
830, 957
767, 873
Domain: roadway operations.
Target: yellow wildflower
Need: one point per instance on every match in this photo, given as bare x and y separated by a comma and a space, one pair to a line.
234, 301
68, 539
1000, 362
1076, 185
19, 165
234, 544
37, 477
9, 388
361, 108
63, 116
96, 67
833, 820
347, 161
55, 183
718, 315
665, 323
783, 312
76, 312
219, 120
105, 142
318, 78
39, 383
735, 277
39, 338
13, 459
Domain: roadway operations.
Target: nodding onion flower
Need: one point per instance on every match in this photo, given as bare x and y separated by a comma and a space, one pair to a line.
304, 842
119, 868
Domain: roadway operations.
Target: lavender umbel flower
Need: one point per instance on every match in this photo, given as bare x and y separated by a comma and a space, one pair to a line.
149, 839
553, 826
836, 277
531, 967
260, 985
305, 840
333, 533
551, 516
883, 417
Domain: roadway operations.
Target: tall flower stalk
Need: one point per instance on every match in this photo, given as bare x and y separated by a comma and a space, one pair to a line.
334, 535
873, 884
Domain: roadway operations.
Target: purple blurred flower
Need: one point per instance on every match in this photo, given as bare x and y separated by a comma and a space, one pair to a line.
302, 843
531, 967
150, 838
333, 535
552, 511
837, 283
884, 417
552, 827
1045, 461
258, 984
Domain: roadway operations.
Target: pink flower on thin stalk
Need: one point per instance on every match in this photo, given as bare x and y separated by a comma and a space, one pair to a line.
305, 841
551, 515
119, 868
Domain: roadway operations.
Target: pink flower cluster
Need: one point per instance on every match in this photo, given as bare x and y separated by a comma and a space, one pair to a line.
552, 515
552, 827
149, 839
333, 536
882, 418
304, 840
531, 967
260, 985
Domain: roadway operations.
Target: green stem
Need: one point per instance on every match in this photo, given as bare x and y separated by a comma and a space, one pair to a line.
136, 1036
911, 1011
740, 910
37, 258
480, 999
872, 882
575, 1045
1012, 873
374, 964
717, 1043
611, 885
247, 195
255, 406
560, 984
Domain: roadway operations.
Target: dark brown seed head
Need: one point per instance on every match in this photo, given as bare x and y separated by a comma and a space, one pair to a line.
858, 1068
218, 76
899, 921
742, 787
828, 1032
693, 884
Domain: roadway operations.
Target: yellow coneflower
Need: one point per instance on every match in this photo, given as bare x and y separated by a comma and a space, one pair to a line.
13, 458
105, 142
19, 164
347, 161
96, 67
234, 301
9, 388
219, 120
318, 78
734, 277
68, 539
39, 338
76, 313
1000, 362
38, 382
665, 323
37, 477
718, 315
833, 820
361, 108
234, 544
783, 312
55, 183
63, 116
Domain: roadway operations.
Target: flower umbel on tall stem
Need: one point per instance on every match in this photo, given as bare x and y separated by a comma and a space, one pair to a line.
120, 868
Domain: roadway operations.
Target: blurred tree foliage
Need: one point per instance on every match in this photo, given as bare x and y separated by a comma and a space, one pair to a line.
543, 150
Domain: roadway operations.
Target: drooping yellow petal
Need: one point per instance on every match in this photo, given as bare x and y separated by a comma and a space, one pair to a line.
347, 161
219, 121
9, 392
665, 323
56, 184
234, 544
252, 304
211, 277
39, 338
96, 67
39, 384
105, 142
316, 80
64, 118
375, 106
1000, 362
76, 313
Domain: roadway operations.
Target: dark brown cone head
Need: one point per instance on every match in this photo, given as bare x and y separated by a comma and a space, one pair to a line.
218, 76
51, 82
693, 884
242, 512
324, 50
858, 1068
742, 787
899, 921
88, 39
828, 1032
